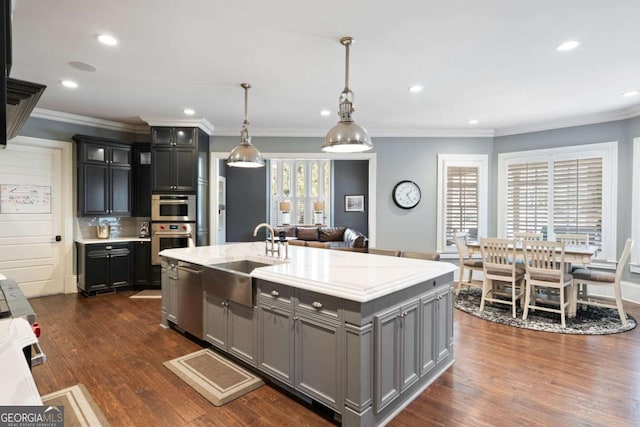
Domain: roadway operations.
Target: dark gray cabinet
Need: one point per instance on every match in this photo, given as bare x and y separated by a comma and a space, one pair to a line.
142, 263
174, 158
142, 180
104, 177
231, 327
103, 267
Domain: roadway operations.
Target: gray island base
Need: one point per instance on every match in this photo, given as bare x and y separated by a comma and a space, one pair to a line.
361, 334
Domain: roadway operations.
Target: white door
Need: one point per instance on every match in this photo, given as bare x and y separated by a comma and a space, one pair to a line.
31, 218
221, 218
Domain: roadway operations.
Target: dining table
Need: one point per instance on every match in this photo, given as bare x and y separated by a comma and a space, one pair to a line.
573, 255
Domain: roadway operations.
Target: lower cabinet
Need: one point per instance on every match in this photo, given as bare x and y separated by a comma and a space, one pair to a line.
301, 349
231, 327
142, 265
397, 351
103, 267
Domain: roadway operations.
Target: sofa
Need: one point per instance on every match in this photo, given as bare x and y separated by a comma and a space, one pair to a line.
317, 236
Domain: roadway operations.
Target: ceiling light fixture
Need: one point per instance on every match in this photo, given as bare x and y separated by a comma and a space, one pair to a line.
82, 66
189, 111
415, 89
631, 93
568, 45
69, 83
107, 39
473, 122
325, 113
347, 136
245, 155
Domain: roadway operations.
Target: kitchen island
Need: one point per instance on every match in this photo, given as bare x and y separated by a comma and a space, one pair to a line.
361, 334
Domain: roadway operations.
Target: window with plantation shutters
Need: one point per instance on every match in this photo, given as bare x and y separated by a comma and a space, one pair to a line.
462, 201
462, 198
527, 197
301, 183
577, 197
566, 190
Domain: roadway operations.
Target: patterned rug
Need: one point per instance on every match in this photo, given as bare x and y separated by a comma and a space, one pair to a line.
592, 321
79, 407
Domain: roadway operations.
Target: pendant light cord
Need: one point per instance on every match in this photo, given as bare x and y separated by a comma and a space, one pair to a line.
246, 104
346, 71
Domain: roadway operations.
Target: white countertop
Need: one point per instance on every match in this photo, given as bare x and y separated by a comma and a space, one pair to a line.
351, 275
113, 240
17, 386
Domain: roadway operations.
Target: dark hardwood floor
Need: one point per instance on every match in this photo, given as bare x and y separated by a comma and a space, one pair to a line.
502, 375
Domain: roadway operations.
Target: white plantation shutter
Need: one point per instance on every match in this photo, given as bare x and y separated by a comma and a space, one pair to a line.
462, 204
577, 197
527, 197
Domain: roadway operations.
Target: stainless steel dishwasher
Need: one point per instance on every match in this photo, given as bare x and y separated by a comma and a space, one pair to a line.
190, 298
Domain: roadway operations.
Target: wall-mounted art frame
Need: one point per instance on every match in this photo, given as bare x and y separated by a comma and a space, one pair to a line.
354, 203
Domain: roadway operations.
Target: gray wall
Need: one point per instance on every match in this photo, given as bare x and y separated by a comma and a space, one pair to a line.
350, 177
246, 203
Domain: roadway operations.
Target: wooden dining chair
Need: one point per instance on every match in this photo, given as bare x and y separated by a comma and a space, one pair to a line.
498, 262
584, 277
527, 235
430, 256
466, 261
388, 252
545, 269
573, 239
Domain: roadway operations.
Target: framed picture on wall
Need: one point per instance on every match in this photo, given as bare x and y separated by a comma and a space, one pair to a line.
354, 203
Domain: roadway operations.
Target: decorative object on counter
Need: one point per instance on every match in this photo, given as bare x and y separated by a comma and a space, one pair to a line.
347, 136
593, 321
102, 231
217, 379
285, 211
79, 406
245, 155
318, 212
354, 203
144, 229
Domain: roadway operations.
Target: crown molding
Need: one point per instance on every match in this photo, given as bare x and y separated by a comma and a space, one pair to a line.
59, 116
201, 123
610, 116
375, 133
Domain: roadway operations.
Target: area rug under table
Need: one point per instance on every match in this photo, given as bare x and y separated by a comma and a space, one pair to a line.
592, 321
214, 377
79, 407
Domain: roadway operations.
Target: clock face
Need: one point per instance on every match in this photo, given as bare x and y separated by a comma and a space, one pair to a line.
406, 194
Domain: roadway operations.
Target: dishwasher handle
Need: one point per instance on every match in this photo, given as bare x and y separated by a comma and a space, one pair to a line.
190, 270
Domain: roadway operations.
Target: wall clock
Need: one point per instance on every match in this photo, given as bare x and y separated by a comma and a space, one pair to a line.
406, 194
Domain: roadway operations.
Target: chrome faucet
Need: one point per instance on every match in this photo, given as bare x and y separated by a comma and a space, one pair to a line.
268, 250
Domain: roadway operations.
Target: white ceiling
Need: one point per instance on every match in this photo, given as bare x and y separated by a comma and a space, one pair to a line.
490, 60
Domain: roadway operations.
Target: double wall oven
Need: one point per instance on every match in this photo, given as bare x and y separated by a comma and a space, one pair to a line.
173, 225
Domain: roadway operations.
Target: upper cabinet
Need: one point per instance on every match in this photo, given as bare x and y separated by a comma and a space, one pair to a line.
104, 176
174, 158
142, 179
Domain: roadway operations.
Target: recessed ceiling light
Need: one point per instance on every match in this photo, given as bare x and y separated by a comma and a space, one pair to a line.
568, 45
107, 39
631, 93
473, 122
69, 83
325, 113
82, 66
415, 88
189, 112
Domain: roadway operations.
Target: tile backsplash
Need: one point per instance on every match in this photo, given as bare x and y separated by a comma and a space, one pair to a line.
118, 226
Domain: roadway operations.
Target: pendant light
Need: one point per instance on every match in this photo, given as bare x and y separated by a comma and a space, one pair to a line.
245, 155
347, 136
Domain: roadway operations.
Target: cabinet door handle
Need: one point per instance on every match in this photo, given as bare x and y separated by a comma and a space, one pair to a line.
108, 247
316, 304
275, 294
295, 318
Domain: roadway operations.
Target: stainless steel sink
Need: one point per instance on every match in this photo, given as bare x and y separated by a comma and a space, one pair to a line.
231, 280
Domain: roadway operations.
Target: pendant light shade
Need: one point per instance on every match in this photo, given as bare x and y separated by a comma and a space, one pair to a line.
245, 155
347, 136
